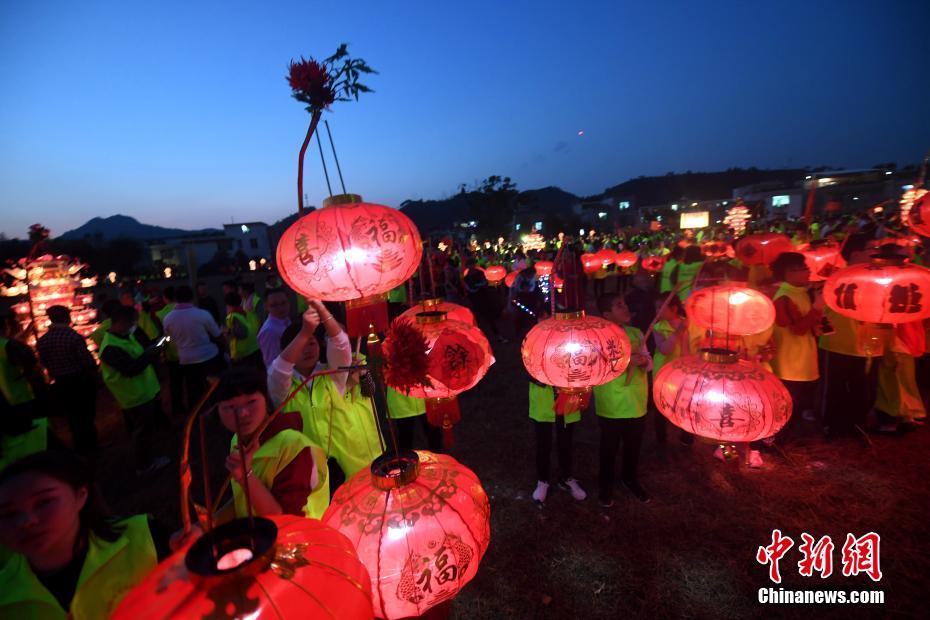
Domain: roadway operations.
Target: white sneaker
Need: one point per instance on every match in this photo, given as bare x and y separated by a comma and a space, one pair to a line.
542, 489
572, 486
755, 459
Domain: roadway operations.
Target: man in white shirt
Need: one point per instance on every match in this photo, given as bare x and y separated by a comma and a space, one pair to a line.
196, 335
269, 336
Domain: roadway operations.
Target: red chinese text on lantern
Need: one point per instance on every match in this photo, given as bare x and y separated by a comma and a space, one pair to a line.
762, 248
590, 263
718, 396
511, 278
885, 290
543, 268
575, 353
454, 312
421, 523
495, 274
653, 263
305, 570
823, 259
736, 310
626, 259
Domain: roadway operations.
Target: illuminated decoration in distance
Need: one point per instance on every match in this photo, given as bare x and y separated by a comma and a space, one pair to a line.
533, 242
737, 218
695, 219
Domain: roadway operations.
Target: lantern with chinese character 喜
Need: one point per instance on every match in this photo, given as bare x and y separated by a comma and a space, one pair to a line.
458, 357
454, 312
762, 248
276, 567
823, 258
574, 353
626, 259
543, 268
511, 278
736, 310
495, 274
420, 522
653, 264
718, 396
350, 251
885, 290
590, 263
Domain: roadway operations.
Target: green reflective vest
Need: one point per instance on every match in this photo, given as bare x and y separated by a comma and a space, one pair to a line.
687, 272
147, 325
240, 348
13, 383
402, 406
617, 399
15, 447
101, 331
110, 570
665, 283
128, 391
542, 405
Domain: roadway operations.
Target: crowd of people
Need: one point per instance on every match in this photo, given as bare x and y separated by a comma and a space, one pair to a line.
261, 350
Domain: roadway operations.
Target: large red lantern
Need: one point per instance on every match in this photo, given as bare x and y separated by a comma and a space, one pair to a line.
590, 263
762, 248
575, 353
350, 251
511, 278
543, 268
915, 210
626, 259
719, 396
736, 310
823, 258
278, 567
495, 274
606, 256
454, 312
420, 522
885, 290
653, 263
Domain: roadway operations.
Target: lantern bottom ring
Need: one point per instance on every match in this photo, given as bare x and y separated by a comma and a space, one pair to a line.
256, 535
392, 471
370, 300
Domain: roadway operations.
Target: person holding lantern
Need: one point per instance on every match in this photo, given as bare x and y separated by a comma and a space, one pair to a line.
542, 413
620, 406
670, 335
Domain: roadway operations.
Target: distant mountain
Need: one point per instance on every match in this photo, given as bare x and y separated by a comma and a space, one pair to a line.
697, 185
123, 226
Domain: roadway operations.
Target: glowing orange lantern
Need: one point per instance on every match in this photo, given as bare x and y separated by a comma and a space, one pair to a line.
885, 290
350, 251
543, 268
495, 274
823, 258
736, 310
281, 567
590, 263
420, 522
915, 210
716, 249
511, 278
653, 263
573, 353
762, 248
454, 312
606, 256
626, 259
719, 396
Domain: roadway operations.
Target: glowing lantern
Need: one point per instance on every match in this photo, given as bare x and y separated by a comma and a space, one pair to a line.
653, 263
716, 249
737, 218
543, 268
459, 356
282, 567
495, 274
920, 222
606, 256
885, 290
626, 259
736, 310
762, 248
350, 251
454, 312
420, 522
823, 258
511, 278
573, 353
719, 396
590, 263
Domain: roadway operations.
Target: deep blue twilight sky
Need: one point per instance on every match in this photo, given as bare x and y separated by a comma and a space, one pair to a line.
178, 113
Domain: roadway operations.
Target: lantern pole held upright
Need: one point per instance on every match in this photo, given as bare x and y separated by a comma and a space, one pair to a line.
332, 145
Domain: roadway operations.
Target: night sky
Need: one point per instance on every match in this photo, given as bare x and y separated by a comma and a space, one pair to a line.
178, 113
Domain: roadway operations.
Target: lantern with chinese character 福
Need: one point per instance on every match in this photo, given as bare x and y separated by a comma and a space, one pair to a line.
762, 248
511, 278
543, 268
495, 274
717, 395
823, 258
458, 357
574, 353
350, 251
277, 567
626, 259
885, 290
454, 312
590, 263
653, 263
736, 310
420, 522
606, 256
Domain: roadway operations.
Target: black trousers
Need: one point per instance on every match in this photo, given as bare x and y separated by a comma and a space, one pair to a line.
406, 428
849, 393
76, 396
143, 422
630, 430
803, 397
176, 385
195, 377
563, 440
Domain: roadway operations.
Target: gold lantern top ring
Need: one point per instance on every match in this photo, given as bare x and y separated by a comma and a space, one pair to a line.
431, 316
341, 199
392, 471
568, 316
719, 356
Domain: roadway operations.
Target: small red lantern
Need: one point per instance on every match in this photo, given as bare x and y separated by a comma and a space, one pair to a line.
736, 310
762, 248
544, 267
823, 258
885, 290
279, 567
915, 210
574, 353
626, 259
420, 522
495, 274
719, 396
590, 263
606, 256
511, 278
716, 249
653, 263
454, 312
350, 251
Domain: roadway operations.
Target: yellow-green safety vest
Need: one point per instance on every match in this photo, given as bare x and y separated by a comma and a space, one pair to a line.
542, 405
101, 331
795, 356
243, 347
617, 399
401, 406
687, 272
148, 326
659, 359
128, 391
15, 447
13, 383
665, 282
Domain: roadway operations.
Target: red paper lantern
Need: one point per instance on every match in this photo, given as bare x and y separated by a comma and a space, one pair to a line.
823, 258
420, 522
350, 251
495, 274
626, 259
653, 263
917, 211
719, 396
574, 353
544, 268
885, 290
762, 248
290, 567
606, 256
511, 278
736, 310
590, 263
716, 249
454, 312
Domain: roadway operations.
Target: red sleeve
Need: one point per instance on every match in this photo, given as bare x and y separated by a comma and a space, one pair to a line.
788, 315
292, 486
